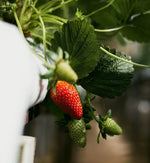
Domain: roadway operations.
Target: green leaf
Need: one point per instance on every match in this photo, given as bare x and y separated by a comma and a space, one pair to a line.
138, 29
92, 5
111, 76
125, 9
113, 16
79, 40
107, 18
141, 6
121, 12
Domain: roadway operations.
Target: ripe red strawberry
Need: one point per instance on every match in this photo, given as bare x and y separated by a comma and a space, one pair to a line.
67, 98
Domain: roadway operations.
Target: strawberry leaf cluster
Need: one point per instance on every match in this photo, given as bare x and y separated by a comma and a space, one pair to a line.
73, 55
132, 15
99, 73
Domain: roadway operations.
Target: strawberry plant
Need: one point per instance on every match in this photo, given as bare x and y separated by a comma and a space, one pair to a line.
67, 41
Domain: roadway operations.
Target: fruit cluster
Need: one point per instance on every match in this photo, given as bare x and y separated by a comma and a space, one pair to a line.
66, 97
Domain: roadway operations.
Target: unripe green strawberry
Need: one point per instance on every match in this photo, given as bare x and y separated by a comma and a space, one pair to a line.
65, 72
67, 98
77, 132
111, 127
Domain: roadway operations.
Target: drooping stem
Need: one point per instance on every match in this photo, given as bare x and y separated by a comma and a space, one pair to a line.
92, 113
39, 36
35, 2
109, 30
98, 137
100, 9
59, 6
55, 17
18, 23
43, 29
124, 60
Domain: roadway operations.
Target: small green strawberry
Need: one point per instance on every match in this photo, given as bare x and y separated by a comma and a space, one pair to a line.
65, 72
110, 127
77, 132
67, 98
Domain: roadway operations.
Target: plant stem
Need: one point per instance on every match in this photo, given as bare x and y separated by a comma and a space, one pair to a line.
52, 20
75, 85
128, 15
98, 136
18, 23
20, 29
39, 36
124, 60
59, 6
46, 6
35, 1
44, 31
100, 9
109, 30
92, 113
55, 17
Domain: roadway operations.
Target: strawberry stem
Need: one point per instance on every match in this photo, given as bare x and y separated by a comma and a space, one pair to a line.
44, 30
98, 137
17, 21
59, 6
124, 60
92, 113
100, 9
109, 30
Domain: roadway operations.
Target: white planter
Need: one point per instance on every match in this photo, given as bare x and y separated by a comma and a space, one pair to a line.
19, 88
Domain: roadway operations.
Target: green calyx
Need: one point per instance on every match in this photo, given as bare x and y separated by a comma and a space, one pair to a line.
65, 72
77, 132
110, 127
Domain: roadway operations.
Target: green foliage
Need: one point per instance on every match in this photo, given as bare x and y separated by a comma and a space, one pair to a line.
106, 73
79, 40
91, 5
121, 13
141, 6
138, 29
107, 18
111, 76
